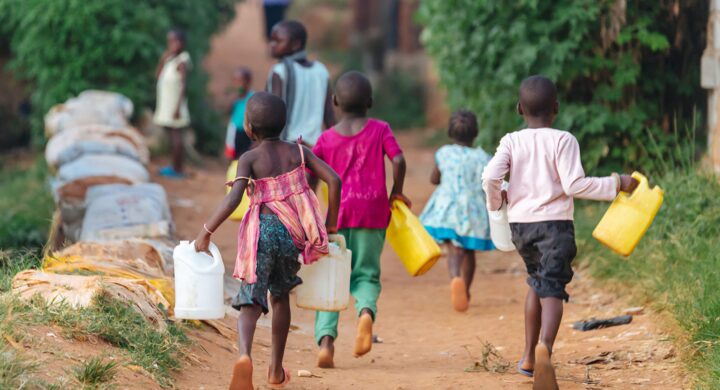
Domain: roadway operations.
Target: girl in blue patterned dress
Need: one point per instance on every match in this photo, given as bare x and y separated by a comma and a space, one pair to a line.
456, 215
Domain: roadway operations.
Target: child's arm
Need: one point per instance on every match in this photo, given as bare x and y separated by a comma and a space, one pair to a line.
435, 176
329, 113
276, 85
226, 207
328, 175
493, 176
577, 185
399, 167
183, 74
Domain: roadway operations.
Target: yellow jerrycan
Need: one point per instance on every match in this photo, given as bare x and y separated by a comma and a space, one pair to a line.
244, 205
629, 217
412, 243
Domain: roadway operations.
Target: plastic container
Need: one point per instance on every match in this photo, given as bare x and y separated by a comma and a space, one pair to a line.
629, 216
198, 283
500, 229
417, 250
326, 282
244, 205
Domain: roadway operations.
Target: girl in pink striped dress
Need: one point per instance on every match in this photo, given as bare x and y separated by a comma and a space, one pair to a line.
283, 226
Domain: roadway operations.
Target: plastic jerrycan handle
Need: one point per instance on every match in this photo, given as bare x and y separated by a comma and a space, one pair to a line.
338, 239
402, 210
643, 184
217, 258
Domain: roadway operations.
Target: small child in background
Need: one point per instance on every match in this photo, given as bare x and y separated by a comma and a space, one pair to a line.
237, 141
456, 214
171, 111
304, 85
356, 148
546, 174
282, 223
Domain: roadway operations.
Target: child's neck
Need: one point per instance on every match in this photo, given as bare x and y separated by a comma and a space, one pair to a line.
466, 144
351, 123
538, 122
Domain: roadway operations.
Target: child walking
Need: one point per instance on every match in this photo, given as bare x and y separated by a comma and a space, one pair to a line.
171, 111
236, 141
283, 223
304, 85
356, 148
545, 175
456, 213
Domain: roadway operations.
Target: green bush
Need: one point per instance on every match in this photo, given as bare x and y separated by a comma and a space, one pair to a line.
618, 73
66, 46
25, 207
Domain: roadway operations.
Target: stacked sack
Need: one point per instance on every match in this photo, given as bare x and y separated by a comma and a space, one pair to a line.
118, 225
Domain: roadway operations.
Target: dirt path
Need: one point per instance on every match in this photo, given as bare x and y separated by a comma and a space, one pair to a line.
426, 344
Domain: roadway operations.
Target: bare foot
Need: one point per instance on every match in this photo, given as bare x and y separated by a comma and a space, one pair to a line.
242, 374
327, 353
363, 340
458, 294
544, 371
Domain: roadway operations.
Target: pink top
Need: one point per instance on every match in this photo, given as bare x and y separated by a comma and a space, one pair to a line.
360, 162
545, 175
290, 198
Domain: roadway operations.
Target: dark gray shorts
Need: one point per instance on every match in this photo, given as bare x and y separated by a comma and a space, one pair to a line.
548, 249
277, 265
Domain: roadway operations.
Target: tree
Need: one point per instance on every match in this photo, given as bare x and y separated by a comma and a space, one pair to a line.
63, 47
625, 72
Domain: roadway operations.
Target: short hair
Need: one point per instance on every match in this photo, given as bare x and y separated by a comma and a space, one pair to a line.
179, 34
266, 114
538, 96
353, 92
463, 126
296, 30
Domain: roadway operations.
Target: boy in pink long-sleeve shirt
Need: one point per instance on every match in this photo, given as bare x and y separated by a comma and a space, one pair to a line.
545, 175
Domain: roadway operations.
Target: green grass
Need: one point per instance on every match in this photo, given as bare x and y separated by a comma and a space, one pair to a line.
94, 372
676, 267
13, 261
115, 322
26, 207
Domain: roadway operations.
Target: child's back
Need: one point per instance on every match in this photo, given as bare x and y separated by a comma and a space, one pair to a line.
545, 175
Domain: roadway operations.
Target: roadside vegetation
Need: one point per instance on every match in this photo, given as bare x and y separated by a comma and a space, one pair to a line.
675, 266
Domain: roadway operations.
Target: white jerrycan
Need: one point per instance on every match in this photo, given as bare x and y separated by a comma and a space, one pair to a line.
198, 283
500, 227
326, 282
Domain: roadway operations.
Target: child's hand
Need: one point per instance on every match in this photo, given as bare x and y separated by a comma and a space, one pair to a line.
628, 184
331, 229
202, 242
504, 196
177, 114
400, 197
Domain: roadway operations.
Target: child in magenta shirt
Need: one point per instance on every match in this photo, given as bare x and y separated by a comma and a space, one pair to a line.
356, 148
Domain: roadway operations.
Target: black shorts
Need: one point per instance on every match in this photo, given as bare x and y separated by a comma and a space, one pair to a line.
548, 249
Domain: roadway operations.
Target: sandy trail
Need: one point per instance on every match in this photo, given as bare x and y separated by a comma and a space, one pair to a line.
426, 344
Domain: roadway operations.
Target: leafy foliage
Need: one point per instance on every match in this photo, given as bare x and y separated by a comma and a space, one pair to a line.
66, 46
618, 72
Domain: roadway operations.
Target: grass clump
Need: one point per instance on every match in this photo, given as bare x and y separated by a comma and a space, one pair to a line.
15, 370
13, 261
117, 323
94, 372
676, 266
26, 206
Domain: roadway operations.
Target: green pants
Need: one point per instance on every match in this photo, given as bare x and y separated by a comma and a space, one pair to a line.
366, 246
